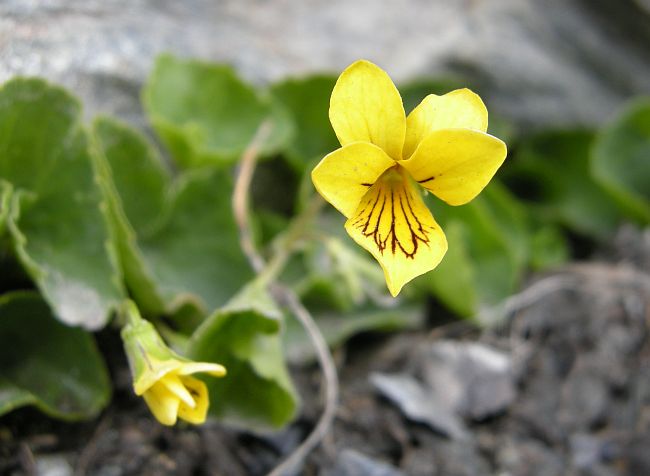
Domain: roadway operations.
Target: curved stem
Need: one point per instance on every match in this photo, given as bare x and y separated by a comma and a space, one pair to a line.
331, 387
284, 295
240, 197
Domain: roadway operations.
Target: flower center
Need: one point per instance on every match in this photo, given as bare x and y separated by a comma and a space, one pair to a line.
392, 214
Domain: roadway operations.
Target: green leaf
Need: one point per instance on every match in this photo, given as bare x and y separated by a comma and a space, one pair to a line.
180, 243
336, 276
6, 191
548, 248
337, 327
205, 113
502, 128
197, 250
274, 187
491, 239
244, 336
508, 216
57, 229
621, 159
555, 167
12, 276
454, 280
47, 364
12, 397
135, 186
308, 101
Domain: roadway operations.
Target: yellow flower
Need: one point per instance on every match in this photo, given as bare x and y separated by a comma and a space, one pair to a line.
162, 377
373, 178
171, 393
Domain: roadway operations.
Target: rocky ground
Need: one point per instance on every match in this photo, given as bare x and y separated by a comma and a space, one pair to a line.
560, 387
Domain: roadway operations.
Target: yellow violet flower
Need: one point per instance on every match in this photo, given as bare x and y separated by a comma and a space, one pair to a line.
374, 179
162, 377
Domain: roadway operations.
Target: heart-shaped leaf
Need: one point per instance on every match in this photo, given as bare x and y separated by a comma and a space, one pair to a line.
177, 238
553, 169
308, 101
48, 364
621, 159
244, 336
205, 114
57, 229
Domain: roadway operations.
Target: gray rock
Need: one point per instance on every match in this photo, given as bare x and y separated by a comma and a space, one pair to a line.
632, 245
459, 458
541, 62
472, 378
53, 465
419, 403
637, 456
353, 463
589, 452
524, 457
450, 381
585, 398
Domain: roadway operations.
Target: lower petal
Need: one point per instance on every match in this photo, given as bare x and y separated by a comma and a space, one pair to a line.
162, 403
199, 411
395, 226
175, 385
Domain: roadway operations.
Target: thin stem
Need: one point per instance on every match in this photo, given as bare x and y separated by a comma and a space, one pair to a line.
240, 196
129, 314
331, 387
285, 295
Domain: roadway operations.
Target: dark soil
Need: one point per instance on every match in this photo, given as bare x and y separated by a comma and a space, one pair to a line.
578, 345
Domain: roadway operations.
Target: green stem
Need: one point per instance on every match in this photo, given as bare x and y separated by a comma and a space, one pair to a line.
129, 314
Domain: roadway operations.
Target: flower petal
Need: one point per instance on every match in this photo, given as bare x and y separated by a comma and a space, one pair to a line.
344, 176
456, 164
199, 411
175, 385
461, 108
216, 370
162, 403
155, 370
395, 226
366, 107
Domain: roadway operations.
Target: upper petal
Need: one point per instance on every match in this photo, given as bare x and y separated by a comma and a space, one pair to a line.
154, 372
344, 176
456, 164
461, 108
366, 106
216, 370
395, 226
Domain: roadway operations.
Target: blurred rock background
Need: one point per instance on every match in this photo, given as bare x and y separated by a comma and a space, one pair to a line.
539, 62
